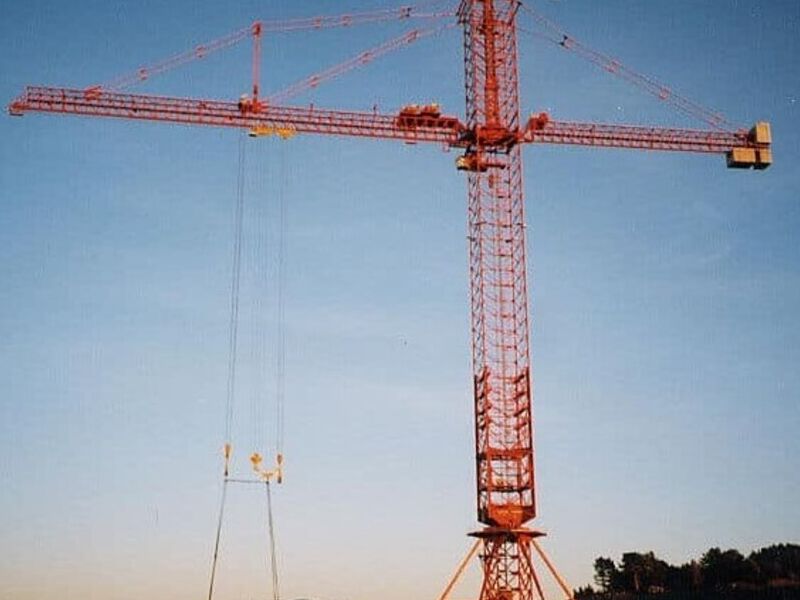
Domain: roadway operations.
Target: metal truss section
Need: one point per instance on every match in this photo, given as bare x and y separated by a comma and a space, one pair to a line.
645, 138
441, 129
501, 363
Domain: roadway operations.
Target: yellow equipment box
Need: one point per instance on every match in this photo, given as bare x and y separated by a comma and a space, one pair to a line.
761, 133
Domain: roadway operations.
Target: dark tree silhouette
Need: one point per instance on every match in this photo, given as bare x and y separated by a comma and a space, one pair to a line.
778, 562
605, 573
715, 575
641, 573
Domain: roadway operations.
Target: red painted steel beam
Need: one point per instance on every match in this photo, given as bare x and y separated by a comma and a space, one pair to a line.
645, 138
200, 51
398, 13
445, 130
216, 113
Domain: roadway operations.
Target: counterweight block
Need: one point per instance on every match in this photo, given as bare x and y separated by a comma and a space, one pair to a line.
756, 155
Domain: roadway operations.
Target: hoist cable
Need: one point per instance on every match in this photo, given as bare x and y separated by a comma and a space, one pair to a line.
260, 273
216, 541
232, 347
276, 594
233, 332
280, 354
258, 347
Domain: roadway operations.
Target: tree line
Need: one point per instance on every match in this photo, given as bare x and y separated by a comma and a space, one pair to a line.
716, 571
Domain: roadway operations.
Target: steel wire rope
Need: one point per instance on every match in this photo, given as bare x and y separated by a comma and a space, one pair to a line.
217, 539
557, 36
232, 350
233, 331
276, 594
280, 308
259, 330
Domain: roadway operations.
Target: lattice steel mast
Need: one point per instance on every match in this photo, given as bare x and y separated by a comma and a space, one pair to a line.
499, 300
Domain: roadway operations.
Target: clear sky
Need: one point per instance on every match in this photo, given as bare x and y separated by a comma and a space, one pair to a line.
665, 297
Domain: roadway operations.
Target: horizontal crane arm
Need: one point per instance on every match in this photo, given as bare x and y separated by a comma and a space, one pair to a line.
753, 145
282, 120
624, 136
743, 148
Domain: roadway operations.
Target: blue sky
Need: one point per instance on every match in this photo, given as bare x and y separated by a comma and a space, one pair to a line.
665, 291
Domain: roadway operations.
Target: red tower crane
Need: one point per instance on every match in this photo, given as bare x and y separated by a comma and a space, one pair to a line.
491, 137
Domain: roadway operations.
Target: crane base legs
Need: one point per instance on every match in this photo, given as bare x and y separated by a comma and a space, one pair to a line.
509, 572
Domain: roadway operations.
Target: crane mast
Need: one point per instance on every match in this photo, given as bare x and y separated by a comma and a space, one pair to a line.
506, 497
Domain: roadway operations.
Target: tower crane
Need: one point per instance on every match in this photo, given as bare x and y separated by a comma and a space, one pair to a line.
490, 139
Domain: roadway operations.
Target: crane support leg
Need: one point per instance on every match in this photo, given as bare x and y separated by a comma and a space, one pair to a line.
460, 570
546, 560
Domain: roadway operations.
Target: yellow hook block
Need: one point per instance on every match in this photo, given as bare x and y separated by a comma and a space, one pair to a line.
256, 460
283, 132
267, 474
